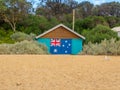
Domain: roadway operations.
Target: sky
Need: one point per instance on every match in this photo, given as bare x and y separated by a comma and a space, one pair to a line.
98, 2
95, 2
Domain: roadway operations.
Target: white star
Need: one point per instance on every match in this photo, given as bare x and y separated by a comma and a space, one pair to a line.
63, 45
69, 44
55, 50
66, 41
65, 51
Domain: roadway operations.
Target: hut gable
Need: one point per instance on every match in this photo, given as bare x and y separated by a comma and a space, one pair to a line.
60, 31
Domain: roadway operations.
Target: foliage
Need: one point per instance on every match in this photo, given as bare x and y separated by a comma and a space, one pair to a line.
25, 44
53, 22
2, 6
24, 47
89, 23
5, 36
15, 10
99, 33
109, 9
106, 47
56, 8
34, 24
18, 15
19, 36
112, 21
84, 9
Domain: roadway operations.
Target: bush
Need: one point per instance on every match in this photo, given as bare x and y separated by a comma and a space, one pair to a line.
33, 23
106, 47
19, 36
4, 48
24, 47
5, 36
89, 23
99, 33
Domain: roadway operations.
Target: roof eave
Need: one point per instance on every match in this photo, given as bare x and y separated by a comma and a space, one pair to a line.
57, 27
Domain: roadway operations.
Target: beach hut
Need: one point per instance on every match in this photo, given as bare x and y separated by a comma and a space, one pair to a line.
117, 29
61, 40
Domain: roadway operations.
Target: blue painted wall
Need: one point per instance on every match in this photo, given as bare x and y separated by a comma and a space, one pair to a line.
76, 44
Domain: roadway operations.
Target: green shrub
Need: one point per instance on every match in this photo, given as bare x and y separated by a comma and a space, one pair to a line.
99, 33
106, 47
5, 36
19, 36
24, 47
4, 48
89, 23
34, 24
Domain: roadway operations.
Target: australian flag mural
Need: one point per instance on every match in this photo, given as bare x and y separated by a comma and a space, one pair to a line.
60, 46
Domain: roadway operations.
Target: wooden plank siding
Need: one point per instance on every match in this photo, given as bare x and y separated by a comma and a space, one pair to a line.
60, 32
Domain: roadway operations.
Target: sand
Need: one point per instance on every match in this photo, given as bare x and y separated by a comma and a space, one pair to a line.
46, 72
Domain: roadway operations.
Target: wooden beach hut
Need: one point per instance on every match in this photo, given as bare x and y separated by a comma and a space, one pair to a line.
61, 40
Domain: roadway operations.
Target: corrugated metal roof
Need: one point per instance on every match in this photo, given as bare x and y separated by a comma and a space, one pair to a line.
60, 26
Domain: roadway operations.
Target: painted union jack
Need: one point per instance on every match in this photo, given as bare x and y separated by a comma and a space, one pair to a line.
60, 46
55, 42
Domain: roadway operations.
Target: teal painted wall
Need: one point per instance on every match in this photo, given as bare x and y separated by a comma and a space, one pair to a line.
76, 44
45, 41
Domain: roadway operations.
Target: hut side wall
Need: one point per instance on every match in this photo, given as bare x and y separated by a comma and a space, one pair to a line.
60, 32
76, 44
45, 41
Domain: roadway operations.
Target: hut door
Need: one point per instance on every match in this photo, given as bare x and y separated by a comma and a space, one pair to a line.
60, 46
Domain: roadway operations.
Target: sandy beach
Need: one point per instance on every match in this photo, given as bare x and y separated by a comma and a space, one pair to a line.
59, 72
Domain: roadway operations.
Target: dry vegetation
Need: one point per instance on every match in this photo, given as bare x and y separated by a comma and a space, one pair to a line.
46, 72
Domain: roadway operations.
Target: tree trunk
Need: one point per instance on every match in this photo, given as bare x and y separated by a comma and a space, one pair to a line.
11, 23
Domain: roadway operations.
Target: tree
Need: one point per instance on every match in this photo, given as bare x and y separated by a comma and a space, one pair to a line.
34, 24
109, 9
112, 21
89, 23
55, 8
99, 33
12, 11
85, 9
